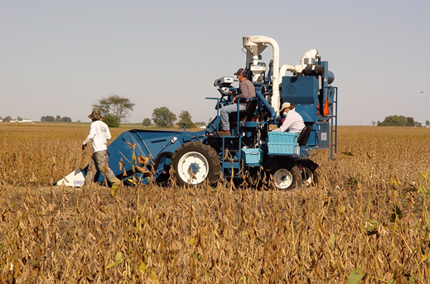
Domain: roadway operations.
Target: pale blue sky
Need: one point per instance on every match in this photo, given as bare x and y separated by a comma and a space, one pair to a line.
60, 57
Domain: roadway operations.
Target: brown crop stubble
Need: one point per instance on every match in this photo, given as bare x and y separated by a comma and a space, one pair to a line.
370, 211
39, 154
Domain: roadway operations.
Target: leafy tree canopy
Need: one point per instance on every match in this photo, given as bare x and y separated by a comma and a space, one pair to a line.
146, 122
50, 118
163, 117
47, 118
185, 119
111, 120
399, 120
115, 105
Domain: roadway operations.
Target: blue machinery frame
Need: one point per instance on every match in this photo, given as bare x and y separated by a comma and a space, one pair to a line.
310, 94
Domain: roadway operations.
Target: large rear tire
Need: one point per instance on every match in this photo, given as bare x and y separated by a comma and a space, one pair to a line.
195, 162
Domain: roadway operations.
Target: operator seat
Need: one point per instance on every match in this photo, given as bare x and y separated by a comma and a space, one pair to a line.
304, 135
247, 114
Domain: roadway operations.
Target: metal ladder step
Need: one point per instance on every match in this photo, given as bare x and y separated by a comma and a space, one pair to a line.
333, 138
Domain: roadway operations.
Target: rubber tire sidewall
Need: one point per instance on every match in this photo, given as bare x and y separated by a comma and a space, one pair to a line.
296, 175
163, 177
207, 151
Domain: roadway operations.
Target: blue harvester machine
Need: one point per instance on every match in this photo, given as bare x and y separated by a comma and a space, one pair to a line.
252, 149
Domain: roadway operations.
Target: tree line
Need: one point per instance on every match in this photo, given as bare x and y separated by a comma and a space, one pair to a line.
9, 118
115, 109
163, 117
400, 120
50, 118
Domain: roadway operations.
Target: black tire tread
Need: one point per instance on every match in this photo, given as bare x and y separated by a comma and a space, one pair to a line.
210, 154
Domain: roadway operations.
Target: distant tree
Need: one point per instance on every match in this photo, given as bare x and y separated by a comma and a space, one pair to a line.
373, 123
185, 119
427, 123
111, 120
115, 105
163, 117
146, 122
18, 118
410, 121
50, 118
398, 120
47, 118
7, 119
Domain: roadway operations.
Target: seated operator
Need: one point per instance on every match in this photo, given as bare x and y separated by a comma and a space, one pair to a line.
293, 121
246, 91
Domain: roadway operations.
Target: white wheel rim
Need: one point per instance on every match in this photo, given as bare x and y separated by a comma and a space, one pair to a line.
310, 175
283, 178
193, 167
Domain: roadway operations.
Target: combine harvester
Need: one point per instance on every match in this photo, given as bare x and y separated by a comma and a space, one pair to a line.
251, 148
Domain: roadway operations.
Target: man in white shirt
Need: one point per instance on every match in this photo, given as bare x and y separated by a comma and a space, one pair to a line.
99, 134
293, 121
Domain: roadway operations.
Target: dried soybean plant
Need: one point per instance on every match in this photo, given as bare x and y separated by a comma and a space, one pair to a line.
365, 222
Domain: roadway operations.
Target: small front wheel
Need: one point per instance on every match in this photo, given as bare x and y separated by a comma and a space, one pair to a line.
308, 176
284, 178
309, 173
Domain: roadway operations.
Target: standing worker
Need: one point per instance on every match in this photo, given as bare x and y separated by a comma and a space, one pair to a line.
293, 121
246, 91
99, 134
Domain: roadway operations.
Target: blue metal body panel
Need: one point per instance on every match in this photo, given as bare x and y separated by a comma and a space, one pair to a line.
324, 135
265, 103
310, 94
145, 143
303, 92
